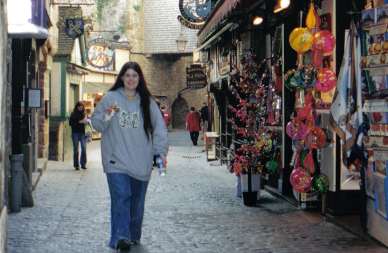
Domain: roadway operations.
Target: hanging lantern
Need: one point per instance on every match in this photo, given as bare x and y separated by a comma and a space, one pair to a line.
301, 40
300, 180
316, 138
327, 80
324, 41
321, 184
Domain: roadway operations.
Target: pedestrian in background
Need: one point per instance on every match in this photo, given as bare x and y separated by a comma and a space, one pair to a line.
133, 131
77, 122
166, 116
193, 125
205, 117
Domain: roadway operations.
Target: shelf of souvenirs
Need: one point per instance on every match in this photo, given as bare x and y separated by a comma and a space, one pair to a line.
377, 66
376, 142
377, 95
379, 27
375, 105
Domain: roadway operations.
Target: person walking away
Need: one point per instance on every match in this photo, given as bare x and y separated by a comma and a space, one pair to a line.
205, 116
77, 122
193, 125
166, 116
133, 131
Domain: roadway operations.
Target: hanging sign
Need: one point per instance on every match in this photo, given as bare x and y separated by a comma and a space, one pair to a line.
101, 55
196, 77
194, 12
74, 27
188, 24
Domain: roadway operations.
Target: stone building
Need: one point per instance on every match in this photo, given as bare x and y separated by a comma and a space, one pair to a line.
154, 29
151, 29
4, 123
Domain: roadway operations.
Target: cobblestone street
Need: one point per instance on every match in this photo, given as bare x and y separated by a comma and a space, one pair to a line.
192, 209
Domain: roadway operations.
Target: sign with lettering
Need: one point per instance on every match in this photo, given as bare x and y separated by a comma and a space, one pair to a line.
196, 77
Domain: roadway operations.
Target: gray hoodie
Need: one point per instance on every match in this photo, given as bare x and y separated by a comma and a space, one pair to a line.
125, 147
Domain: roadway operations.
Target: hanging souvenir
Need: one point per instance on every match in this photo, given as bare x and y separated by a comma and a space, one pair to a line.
300, 180
272, 166
327, 80
321, 183
312, 19
301, 40
324, 41
308, 162
316, 138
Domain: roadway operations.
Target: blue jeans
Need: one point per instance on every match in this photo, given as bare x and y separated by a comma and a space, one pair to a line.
127, 207
79, 138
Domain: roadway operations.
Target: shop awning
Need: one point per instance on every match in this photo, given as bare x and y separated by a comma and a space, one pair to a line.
221, 11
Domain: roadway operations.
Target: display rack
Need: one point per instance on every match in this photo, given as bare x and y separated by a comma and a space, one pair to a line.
375, 107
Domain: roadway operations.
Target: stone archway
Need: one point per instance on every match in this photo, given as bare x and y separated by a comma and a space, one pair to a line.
179, 110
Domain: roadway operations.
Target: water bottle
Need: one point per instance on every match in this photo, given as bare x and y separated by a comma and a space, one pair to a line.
161, 169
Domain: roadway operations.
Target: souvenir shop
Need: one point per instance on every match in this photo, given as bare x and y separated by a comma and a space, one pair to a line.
293, 111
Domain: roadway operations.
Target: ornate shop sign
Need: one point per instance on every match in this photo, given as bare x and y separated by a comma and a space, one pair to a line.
101, 55
194, 12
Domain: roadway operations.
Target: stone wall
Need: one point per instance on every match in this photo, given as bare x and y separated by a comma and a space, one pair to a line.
162, 28
166, 76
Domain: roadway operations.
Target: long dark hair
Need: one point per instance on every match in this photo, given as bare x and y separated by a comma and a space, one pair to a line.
145, 94
76, 111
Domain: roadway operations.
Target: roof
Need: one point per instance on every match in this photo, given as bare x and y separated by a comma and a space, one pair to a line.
220, 12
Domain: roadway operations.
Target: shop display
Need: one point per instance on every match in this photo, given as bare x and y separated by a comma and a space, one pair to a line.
256, 105
375, 108
307, 81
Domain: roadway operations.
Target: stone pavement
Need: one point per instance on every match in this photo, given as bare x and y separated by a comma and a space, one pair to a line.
192, 209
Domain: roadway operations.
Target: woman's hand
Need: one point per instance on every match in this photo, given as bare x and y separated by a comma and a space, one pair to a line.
110, 111
84, 121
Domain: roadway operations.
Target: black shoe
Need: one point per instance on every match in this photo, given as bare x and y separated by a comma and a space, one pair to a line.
76, 168
84, 168
123, 246
135, 242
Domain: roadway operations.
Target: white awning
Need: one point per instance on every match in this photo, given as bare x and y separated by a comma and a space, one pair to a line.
27, 30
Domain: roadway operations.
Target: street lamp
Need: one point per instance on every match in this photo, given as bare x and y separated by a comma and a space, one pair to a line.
282, 5
181, 42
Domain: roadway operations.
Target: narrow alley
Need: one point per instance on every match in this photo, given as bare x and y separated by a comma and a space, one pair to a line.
192, 209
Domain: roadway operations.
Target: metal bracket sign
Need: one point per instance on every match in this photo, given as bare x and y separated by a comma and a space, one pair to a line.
196, 77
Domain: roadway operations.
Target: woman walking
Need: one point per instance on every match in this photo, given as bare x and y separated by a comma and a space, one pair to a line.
77, 122
133, 131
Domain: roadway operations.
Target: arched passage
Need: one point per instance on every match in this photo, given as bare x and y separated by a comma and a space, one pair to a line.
179, 110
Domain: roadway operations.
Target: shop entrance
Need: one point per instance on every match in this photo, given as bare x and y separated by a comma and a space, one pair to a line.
179, 110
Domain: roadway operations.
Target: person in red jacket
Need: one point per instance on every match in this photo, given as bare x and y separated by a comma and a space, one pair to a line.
193, 125
166, 115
